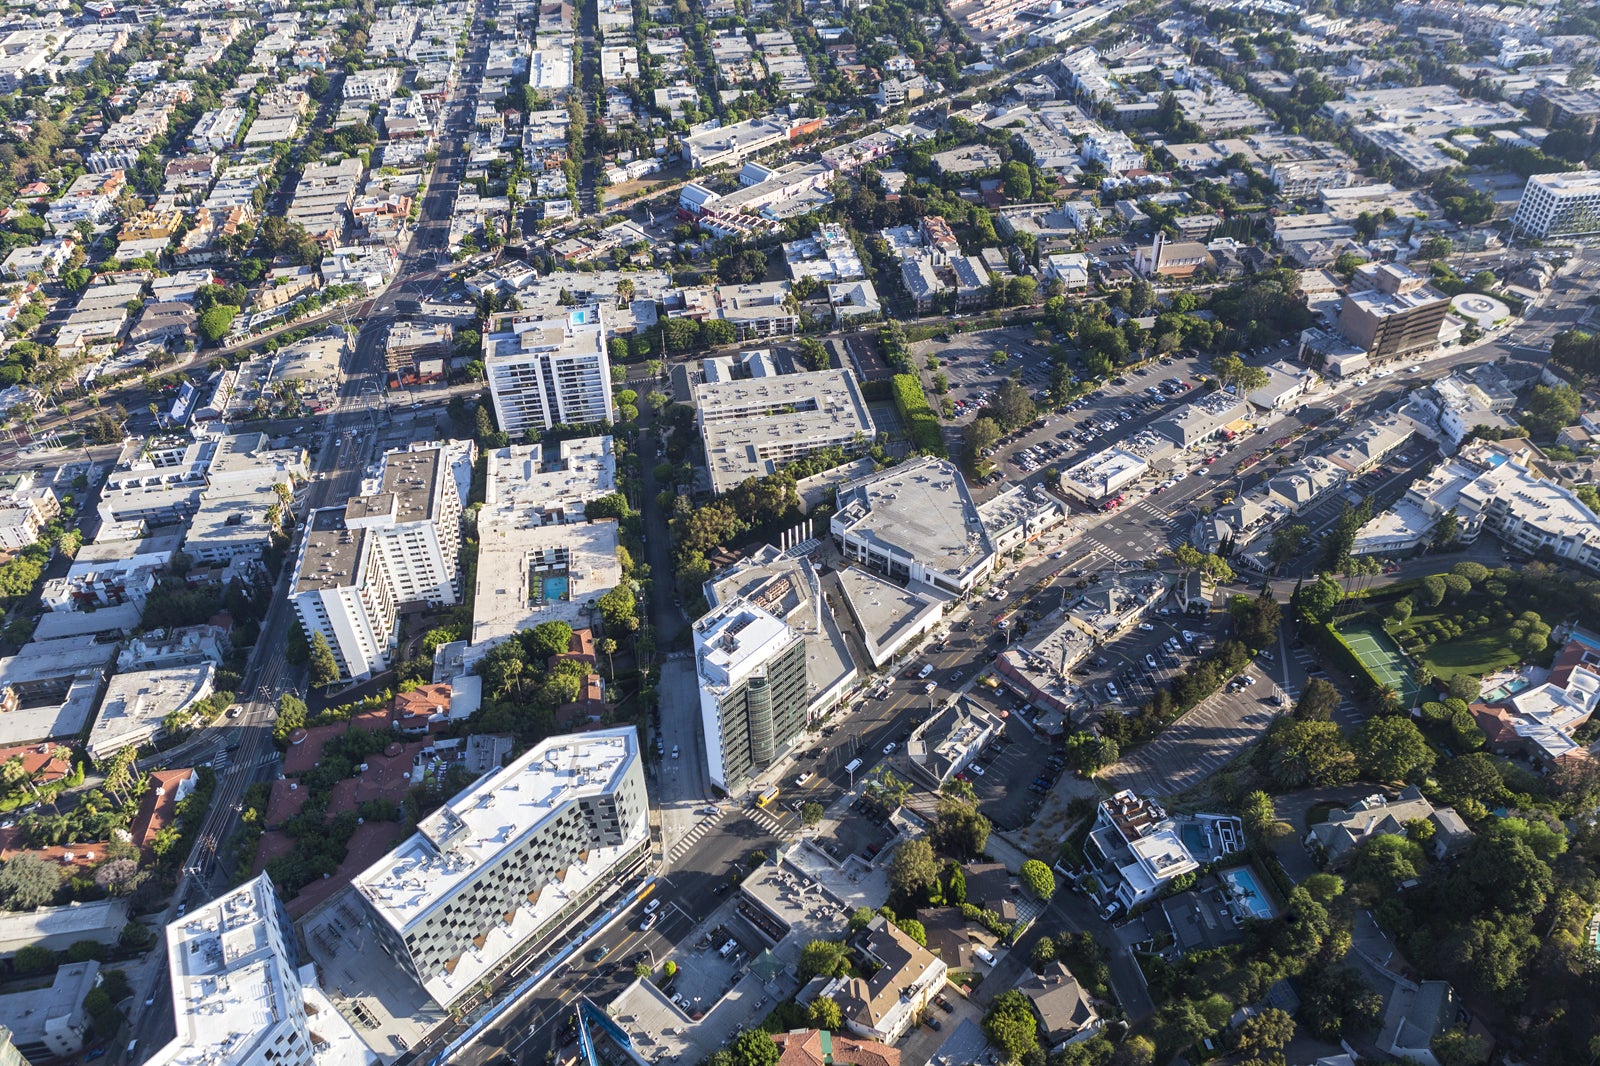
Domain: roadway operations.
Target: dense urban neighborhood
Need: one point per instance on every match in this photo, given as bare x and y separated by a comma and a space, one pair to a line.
799, 533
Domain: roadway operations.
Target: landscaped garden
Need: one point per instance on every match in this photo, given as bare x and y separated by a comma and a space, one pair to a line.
1466, 622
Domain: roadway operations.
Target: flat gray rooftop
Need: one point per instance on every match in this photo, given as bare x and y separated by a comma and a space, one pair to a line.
331, 555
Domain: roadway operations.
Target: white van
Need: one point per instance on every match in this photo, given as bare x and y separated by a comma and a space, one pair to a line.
852, 766
984, 954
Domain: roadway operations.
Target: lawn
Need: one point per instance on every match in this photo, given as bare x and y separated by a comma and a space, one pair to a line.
1478, 652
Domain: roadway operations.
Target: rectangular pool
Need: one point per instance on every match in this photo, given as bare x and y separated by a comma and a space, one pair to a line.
1247, 892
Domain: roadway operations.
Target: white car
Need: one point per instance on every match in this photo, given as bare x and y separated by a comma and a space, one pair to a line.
975, 768
1150, 661
674, 751
1147, 627
803, 778
653, 906
888, 749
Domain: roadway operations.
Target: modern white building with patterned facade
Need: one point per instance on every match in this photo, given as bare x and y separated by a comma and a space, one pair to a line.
510, 861
546, 372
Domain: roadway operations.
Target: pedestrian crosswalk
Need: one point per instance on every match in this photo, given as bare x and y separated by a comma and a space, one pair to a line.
689, 839
686, 842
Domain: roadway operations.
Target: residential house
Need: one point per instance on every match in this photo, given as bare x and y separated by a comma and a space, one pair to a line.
886, 1005
1063, 1007
1346, 830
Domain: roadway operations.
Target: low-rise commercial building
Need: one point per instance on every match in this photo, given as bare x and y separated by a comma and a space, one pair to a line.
51, 1023
950, 740
137, 704
916, 522
1103, 475
752, 427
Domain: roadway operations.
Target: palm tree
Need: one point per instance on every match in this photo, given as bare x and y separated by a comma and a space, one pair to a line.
609, 646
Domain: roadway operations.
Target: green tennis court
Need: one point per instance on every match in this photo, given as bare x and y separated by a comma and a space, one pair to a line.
1381, 656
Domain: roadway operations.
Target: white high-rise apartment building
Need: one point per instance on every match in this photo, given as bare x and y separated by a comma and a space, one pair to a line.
1559, 205
341, 591
510, 862
547, 372
240, 996
414, 512
753, 690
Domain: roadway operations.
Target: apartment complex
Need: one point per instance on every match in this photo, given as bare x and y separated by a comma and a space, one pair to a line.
510, 861
753, 692
752, 427
239, 995
540, 557
546, 372
341, 592
414, 512
1559, 205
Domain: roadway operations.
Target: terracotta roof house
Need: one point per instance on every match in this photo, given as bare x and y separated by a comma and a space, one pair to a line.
159, 806
816, 1047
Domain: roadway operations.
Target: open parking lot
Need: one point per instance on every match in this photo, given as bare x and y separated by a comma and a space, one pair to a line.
1015, 757
1126, 673
1204, 740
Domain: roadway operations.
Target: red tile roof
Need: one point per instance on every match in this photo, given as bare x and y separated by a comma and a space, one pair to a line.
158, 807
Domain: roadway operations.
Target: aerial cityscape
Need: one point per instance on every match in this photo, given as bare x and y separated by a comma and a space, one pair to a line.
800, 533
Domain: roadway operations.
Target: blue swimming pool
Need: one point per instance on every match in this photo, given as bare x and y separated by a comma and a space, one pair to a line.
1505, 691
555, 589
1247, 892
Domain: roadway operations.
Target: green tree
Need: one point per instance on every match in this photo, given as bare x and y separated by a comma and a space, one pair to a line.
1044, 953
1392, 749
824, 958
1384, 860
1317, 701
1458, 1047
825, 1014
754, 1047
860, 918
960, 830
1266, 1033
215, 322
811, 814
547, 639
913, 870
1260, 817
1038, 879
1018, 181
913, 929
1435, 588
1010, 1023
1318, 601
1301, 754
28, 882
323, 667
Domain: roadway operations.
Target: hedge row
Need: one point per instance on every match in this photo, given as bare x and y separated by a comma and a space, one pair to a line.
920, 423
1344, 657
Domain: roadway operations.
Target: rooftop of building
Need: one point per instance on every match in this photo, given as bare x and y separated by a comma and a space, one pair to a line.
921, 508
136, 702
530, 572
734, 639
232, 984
748, 424
407, 491
528, 479
330, 555
473, 829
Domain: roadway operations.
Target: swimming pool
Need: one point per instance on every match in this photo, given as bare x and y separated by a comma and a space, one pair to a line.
1505, 691
1247, 892
555, 589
